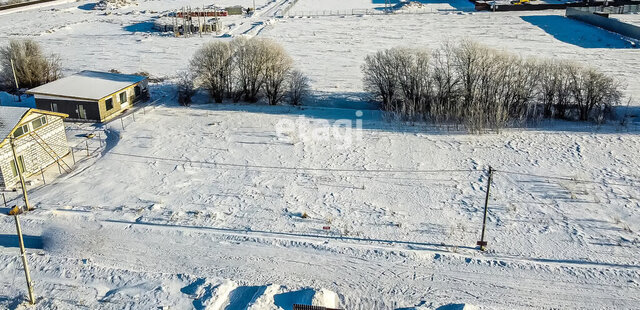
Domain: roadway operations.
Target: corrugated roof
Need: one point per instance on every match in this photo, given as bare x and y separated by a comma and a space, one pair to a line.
92, 85
9, 118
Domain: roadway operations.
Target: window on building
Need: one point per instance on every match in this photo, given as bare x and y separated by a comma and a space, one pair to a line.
123, 97
39, 122
14, 168
54, 107
21, 131
109, 104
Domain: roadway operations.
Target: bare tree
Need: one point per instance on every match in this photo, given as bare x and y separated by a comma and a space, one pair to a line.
276, 69
381, 77
32, 67
414, 81
186, 88
483, 88
212, 67
250, 59
446, 107
298, 87
593, 94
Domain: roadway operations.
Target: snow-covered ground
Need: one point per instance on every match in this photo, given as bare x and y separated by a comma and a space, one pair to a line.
169, 217
331, 50
341, 5
633, 19
221, 210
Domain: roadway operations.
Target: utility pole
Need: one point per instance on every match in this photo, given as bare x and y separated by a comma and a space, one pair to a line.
23, 254
24, 188
482, 243
15, 78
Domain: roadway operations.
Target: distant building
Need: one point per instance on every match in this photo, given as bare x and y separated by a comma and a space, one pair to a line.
39, 138
234, 10
91, 95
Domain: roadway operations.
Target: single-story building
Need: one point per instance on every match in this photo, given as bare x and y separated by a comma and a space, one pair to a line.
91, 95
39, 139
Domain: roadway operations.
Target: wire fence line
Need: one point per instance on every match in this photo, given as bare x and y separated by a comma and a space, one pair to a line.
129, 116
364, 12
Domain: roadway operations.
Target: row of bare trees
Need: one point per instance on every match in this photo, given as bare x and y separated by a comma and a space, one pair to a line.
481, 88
32, 67
245, 69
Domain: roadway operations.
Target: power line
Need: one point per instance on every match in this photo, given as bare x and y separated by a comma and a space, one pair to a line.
291, 168
566, 178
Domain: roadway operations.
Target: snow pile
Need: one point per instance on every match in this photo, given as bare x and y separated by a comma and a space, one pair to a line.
103, 5
413, 6
326, 298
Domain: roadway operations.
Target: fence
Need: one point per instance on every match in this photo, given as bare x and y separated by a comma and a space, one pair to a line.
129, 117
490, 6
362, 12
93, 143
21, 4
589, 16
623, 9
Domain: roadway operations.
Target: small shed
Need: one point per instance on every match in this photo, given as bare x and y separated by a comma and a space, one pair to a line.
234, 10
91, 95
39, 140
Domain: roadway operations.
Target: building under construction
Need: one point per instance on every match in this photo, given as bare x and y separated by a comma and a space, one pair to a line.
188, 21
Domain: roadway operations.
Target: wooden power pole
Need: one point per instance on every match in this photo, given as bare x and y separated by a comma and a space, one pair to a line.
15, 78
482, 243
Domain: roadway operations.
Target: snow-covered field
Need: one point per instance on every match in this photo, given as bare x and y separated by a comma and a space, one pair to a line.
334, 47
212, 207
315, 6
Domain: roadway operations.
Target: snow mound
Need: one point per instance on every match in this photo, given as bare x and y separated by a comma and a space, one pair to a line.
325, 298
104, 5
413, 5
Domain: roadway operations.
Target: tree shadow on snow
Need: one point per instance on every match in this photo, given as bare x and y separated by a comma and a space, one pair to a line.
577, 33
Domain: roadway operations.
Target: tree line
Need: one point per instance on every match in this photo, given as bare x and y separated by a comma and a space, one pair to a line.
480, 88
244, 69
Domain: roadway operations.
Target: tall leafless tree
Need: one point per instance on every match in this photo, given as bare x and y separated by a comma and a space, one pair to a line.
32, 66
298, 85
212, 67
277, 66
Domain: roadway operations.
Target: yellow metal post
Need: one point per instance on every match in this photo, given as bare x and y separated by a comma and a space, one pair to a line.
23, 254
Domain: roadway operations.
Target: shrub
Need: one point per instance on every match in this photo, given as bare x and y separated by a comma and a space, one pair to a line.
276, 70
482, 88
242, 69
212, 65
298, 87
186, 88
32, 67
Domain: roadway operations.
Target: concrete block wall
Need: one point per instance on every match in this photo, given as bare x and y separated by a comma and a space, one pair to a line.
34, 155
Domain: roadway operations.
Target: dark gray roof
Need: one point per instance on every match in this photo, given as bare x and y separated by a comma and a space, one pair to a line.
9, 118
